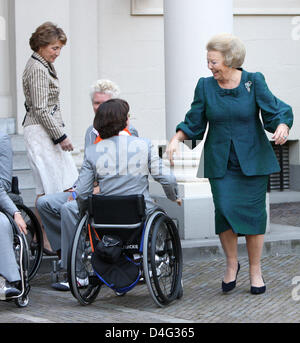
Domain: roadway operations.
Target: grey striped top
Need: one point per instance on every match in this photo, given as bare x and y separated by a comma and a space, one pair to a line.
41, 90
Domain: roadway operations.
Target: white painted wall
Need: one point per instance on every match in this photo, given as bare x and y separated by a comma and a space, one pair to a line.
84, 52
29, 15
131, 53
272, 51
6, 103
106, 41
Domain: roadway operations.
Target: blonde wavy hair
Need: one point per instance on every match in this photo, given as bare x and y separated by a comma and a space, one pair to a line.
106, 87
230, 46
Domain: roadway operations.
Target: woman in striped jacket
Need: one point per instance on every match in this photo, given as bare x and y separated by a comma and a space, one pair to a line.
48, 146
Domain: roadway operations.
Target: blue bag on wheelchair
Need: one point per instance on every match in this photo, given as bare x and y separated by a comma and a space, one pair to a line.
113, 267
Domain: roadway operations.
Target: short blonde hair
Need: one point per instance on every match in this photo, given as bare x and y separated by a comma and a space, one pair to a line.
106, 87
46, 34
231, 47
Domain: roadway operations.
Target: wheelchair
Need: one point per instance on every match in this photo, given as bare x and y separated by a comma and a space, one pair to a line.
116, 245
34, 237
22, 257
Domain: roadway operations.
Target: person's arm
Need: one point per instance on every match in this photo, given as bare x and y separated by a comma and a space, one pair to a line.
173, 146
277, 116
85, 181
38, 82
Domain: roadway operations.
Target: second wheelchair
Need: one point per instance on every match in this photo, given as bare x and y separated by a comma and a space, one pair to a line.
34, 237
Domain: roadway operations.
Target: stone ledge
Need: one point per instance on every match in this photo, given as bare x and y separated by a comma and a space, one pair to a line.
8, 125
282, 239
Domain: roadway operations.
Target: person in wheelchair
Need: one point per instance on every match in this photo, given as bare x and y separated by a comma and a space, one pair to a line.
120, 163
101, 91
9, 270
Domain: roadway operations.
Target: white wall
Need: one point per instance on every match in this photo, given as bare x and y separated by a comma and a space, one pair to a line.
131, 53
6, 102
106, 41
29, 15
272, 51
83, 42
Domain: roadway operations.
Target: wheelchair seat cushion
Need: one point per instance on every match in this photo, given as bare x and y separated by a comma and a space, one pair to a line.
121, 276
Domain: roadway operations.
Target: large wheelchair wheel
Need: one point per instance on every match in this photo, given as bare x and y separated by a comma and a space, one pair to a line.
80, 266
162, 259
34, 239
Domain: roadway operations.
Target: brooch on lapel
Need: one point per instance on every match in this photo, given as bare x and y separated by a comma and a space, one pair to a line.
248, 85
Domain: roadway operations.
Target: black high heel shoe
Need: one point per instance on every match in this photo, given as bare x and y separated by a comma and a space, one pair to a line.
258, 290
229, 286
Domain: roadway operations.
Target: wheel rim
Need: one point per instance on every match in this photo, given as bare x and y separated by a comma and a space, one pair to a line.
165, 259
79, 266
159, 298
35, 251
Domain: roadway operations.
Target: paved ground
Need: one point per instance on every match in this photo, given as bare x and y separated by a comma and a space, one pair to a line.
285, 214
203, 301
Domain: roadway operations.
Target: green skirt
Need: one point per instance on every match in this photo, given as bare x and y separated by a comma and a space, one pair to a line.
240, 200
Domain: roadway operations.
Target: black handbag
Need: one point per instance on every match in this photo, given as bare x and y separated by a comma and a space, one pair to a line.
109, 249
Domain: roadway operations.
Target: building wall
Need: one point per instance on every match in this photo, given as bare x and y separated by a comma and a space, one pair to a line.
106, 41
131, 53
6, 103
272, 51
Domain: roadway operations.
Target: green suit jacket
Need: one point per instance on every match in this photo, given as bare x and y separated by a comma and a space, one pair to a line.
233, 116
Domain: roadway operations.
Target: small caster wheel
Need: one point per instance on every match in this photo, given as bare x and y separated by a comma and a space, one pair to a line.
22, 301
120, 294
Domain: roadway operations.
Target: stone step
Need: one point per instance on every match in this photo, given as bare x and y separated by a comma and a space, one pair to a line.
25, 177
8, 125
28, 196
17, 142
21, 169
20, 160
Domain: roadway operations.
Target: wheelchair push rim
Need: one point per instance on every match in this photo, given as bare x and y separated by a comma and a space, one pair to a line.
79, 266
34, 240
162, 259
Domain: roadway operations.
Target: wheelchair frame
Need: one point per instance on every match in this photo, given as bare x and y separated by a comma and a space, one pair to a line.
160, 257
22, 258
35, 249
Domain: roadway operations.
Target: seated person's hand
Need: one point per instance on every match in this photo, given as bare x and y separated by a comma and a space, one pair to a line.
179, 202
70, 190
96, 190
20, 222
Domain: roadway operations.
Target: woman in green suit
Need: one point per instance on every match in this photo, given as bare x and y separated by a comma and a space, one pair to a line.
238, 157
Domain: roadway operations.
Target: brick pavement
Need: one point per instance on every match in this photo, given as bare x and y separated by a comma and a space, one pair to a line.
285, 213
203, 301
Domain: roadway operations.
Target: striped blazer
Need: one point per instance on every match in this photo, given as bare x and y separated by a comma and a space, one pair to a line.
41, 90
